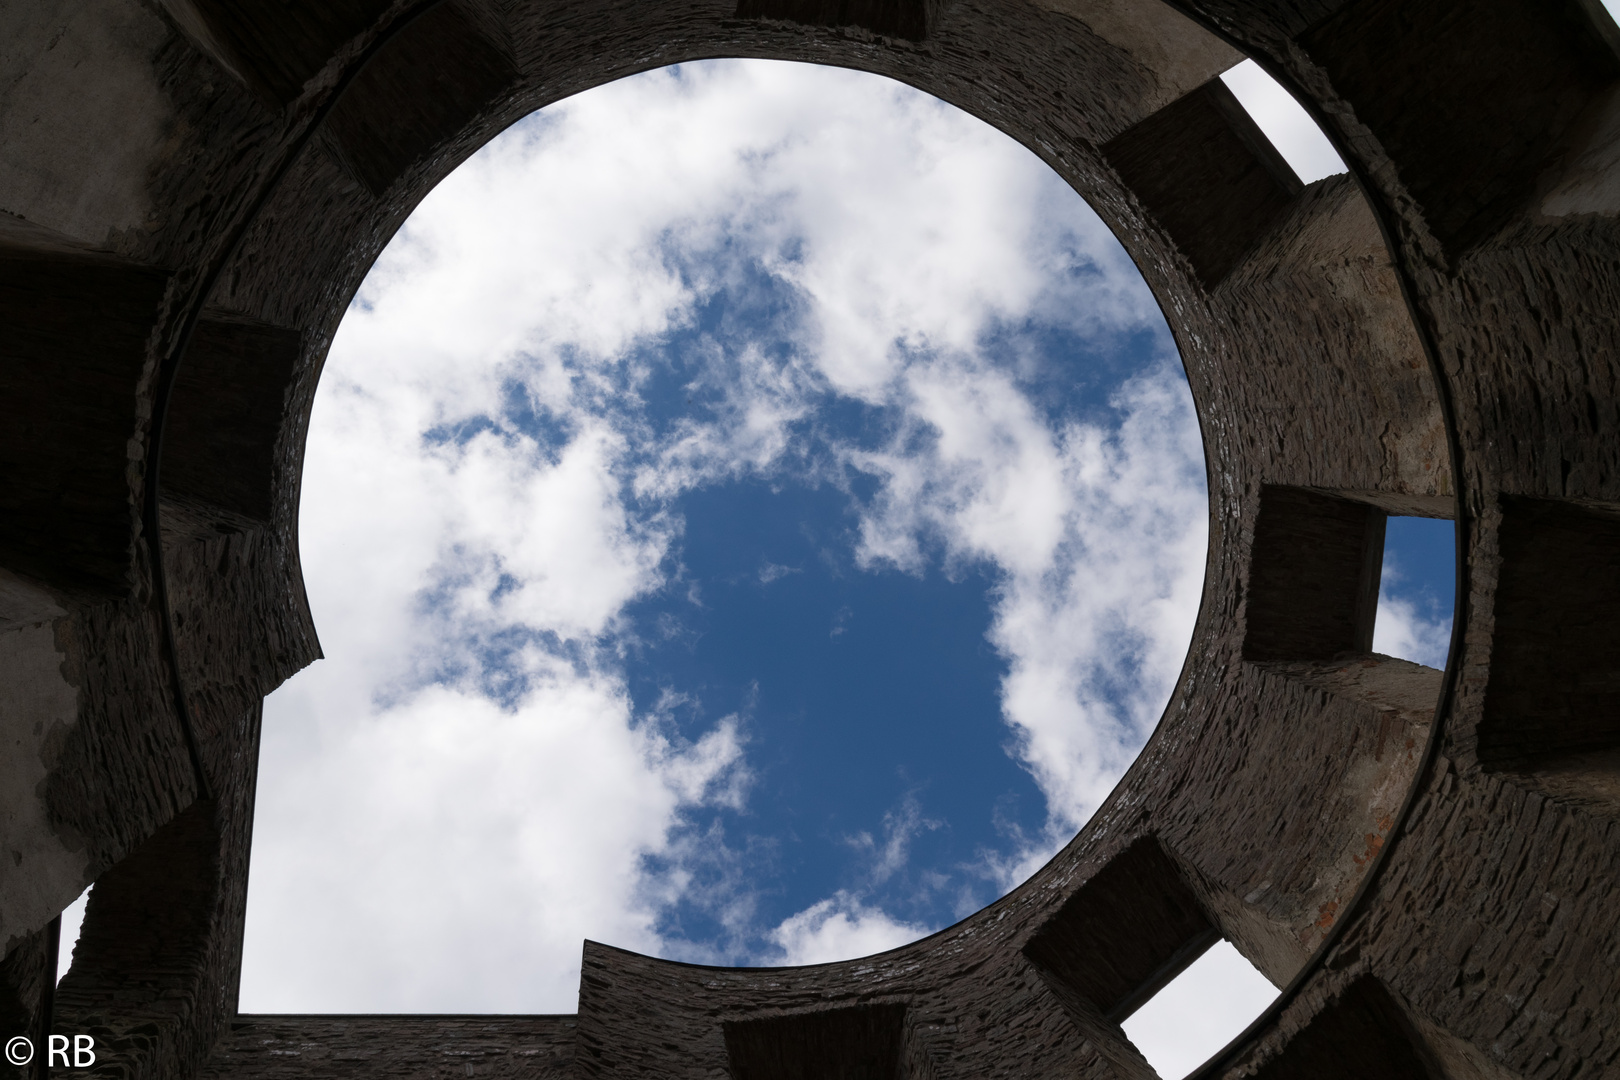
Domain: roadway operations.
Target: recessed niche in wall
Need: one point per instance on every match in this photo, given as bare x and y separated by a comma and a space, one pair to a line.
1131, 928
1313, 576
1230, 187
1361, 1032
1468, 170
1552, 702
860, 1041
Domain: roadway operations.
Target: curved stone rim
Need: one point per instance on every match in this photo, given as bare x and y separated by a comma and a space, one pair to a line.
1429, 334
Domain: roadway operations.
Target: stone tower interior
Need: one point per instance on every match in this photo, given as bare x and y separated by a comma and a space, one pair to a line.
192, 190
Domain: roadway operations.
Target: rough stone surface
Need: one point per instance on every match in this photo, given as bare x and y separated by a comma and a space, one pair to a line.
192, 190
385, 1047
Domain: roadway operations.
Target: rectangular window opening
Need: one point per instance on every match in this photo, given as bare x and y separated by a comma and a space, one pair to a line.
1285, 122
1199, 1011
1417, 590
1123, 934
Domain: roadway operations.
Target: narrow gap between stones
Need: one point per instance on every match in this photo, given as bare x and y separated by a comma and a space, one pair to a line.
72, 921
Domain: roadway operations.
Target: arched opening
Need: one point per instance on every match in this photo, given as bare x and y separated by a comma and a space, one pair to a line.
754, 514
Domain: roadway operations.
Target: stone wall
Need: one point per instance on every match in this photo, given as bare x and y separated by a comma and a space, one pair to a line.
192, 190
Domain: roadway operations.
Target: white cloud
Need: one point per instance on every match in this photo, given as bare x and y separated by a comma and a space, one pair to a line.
1402, 629
838, 928
503, 831
558, 529
462, 791
1099, 536
888, 856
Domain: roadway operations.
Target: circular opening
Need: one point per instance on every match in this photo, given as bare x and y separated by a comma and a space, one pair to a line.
754, 513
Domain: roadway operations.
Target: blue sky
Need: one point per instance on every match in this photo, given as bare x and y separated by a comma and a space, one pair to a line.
753, 514
1418, 590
